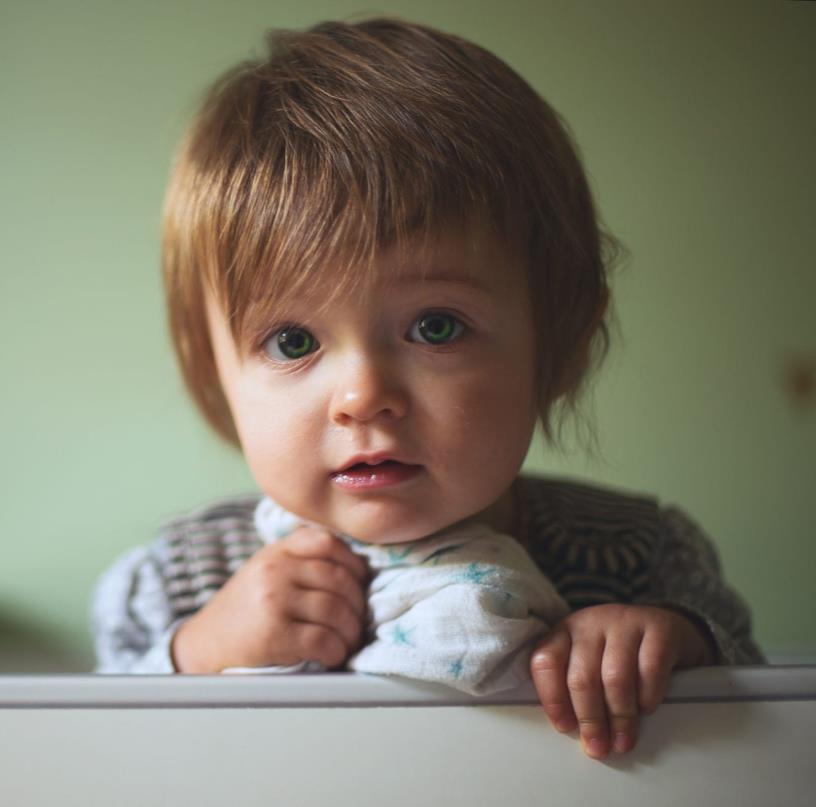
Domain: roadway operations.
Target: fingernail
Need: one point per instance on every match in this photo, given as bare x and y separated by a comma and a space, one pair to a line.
622, 743
565, 724
538, 661
595, 747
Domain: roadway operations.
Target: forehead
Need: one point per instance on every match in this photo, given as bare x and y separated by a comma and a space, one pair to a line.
472, 259
457, 260
471, 255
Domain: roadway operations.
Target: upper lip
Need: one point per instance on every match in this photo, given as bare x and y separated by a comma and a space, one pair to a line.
375, 458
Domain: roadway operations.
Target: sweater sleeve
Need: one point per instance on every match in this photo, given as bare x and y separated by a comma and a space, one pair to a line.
686, 576
132, 621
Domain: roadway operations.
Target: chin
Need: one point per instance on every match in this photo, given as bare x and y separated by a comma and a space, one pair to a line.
391, 535
384, 526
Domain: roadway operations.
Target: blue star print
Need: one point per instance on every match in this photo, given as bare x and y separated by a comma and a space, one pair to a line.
475, 573
456, 668
402, 636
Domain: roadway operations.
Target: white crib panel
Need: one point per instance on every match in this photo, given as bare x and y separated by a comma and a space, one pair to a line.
736, 753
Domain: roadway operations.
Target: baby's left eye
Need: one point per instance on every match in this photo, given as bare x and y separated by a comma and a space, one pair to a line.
436, 328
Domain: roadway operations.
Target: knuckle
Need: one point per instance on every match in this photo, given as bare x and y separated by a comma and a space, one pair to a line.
580, 680
556, 707
611, 612
270, 567
268, 599
615, 677
622, 721
268, 551
325, 606
323, 541
310, 539
300, 533
591, 725
265, 594
662, 623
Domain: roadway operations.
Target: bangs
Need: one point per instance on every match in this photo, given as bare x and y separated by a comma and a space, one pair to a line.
316, 230
318, 171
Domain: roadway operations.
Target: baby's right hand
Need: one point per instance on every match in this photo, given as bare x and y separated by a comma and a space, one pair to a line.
299, 599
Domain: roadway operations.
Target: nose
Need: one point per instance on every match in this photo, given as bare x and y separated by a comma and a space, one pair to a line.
368, 386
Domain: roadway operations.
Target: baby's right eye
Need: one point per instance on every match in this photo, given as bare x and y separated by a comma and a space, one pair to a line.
290, 343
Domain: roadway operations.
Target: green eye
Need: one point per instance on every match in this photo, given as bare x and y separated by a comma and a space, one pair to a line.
436, 328
290, 343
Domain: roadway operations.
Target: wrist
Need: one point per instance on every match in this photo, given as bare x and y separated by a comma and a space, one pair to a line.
698, 646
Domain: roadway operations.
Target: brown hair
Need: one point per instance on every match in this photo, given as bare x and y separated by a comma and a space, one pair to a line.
349, 138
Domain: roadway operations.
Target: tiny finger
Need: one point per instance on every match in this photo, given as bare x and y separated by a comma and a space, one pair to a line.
548, 667
655, 663
329, 611
319, 643
586, 691
318, 544
619, 674
335, 578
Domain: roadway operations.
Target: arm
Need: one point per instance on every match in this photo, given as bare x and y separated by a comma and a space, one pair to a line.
299, 599
686, 577
604, 665
133, 623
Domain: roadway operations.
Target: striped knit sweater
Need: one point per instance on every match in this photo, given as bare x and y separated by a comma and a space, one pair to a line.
596, 546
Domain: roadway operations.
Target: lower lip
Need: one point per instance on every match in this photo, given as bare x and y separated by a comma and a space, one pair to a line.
376, 476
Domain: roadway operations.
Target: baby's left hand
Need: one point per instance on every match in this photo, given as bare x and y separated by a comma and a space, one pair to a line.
600, 667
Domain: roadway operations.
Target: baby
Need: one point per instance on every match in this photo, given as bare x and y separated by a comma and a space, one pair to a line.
384, 268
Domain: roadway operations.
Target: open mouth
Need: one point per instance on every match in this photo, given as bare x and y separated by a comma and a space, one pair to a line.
366, 475
362, 466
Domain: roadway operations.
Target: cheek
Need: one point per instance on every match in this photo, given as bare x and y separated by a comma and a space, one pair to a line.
277, 437
507, 419
490, 418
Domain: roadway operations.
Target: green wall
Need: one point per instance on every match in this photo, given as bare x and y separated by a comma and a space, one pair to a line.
697, 124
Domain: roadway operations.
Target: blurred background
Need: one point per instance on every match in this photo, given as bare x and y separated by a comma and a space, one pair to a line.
697, 125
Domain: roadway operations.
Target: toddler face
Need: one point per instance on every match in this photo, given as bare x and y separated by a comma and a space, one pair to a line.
391, 415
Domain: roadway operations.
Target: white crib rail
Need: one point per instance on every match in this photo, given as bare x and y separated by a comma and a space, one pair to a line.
720, 684
725, 736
